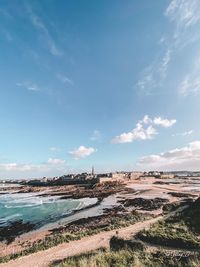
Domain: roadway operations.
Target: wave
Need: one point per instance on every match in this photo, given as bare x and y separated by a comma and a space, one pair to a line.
29, 206
66, 212
26, 200
80, 206
22, 206
9, 218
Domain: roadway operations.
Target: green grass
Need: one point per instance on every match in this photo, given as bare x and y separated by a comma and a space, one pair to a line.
179, 231
56, 239
127, 258
166, 233
191, 216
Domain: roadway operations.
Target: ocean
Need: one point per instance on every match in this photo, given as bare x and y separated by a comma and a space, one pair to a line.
37, 209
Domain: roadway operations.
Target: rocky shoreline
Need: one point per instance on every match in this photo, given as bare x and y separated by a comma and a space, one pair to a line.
135, 199
145, 204
14, 229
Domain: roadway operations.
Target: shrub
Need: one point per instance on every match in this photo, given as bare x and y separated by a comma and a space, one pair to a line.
117, 243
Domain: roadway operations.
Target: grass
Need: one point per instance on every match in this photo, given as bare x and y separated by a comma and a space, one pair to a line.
191, 216
166, 233
117, 243
130, 253
179, 231
56, 239
127, 258
169, 207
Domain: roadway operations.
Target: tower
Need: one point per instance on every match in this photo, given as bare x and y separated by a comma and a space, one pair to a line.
93, 170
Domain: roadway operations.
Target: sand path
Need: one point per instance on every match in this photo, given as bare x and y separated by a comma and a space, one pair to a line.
86, 244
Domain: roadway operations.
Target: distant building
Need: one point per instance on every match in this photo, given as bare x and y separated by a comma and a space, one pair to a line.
117, 176
66, 178
104, 179
167, 176
135, 175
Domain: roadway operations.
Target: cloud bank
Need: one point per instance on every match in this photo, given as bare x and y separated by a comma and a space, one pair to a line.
185, 158
51, 167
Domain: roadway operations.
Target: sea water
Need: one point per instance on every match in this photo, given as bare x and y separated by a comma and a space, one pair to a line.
40, 210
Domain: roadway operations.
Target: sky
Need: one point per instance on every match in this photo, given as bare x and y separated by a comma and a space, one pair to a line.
111, 84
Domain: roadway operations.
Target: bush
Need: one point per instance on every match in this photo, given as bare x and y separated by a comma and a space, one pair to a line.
117, 243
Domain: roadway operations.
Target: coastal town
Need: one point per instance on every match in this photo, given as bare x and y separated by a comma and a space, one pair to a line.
93, 178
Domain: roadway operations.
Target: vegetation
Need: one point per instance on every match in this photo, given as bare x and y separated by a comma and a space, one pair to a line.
117, 243
58, 238
130, 253
191, 216
124, 258
181, 230
145, 204
168, 233
170, 207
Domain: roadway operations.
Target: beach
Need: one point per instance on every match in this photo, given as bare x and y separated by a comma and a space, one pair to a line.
93, 208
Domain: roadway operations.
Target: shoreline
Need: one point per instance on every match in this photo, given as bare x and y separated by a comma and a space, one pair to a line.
119, 200
50, 226
84, 196
37, 234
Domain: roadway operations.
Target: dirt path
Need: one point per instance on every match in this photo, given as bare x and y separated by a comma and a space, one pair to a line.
44, 258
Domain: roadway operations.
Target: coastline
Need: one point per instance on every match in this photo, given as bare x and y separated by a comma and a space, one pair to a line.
105, 209
34, 235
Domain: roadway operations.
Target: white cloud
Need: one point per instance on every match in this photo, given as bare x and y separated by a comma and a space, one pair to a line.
64, 79
162, 40
82, 152
96, 135
137, 133
16, 167
190, 84
28, 85
163, 122
55, 161
51, 167
186, 133
185, 13
186, 18
185, 158
144, 130
54, 149
147, 81
39, 25
146, 120
165, 62
23, 167
154, 75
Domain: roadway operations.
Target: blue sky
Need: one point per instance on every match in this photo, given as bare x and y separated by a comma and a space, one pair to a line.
111, 83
